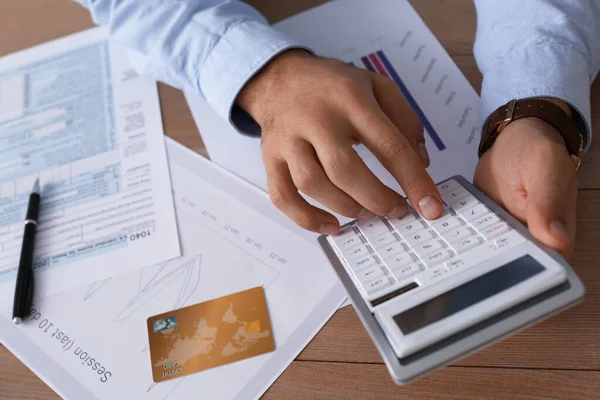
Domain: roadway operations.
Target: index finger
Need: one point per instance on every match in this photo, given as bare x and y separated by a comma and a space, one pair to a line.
397, 155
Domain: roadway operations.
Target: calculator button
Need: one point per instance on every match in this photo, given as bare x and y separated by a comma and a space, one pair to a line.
455, 194
485, 221
372, 228
362, 262
396, 222
456, 234
399, 260
448, 186
415, 238
369, 274
377, 284
357, 251
495, 230
390, 249
432, 275
348, 242
410, 227
436, 258
455, 264
426, 248
445, 215
406, 271
474, 213
382, 239
464, 203
445, 225
465, 244
509, 239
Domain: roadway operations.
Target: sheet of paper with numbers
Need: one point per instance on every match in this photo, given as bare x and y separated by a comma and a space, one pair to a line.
92, 342
74, 113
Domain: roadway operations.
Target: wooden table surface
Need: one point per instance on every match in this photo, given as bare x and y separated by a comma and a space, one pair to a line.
557, 359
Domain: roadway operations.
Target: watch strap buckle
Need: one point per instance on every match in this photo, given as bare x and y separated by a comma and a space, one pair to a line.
510, 113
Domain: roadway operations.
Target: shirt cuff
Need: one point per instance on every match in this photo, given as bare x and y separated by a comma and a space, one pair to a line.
540, 71
240, 53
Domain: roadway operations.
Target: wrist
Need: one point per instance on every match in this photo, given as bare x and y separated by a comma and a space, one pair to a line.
255, 96
551, 111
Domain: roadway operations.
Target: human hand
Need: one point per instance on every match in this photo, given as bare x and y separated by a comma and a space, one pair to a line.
312, 111
529, 172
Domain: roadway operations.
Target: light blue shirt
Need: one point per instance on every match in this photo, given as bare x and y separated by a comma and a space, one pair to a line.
524, 48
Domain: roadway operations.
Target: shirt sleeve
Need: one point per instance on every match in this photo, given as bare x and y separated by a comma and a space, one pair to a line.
211, 47
536, 48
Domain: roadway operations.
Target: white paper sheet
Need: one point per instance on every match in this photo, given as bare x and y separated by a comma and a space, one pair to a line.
74, 113
388, 32
92, 342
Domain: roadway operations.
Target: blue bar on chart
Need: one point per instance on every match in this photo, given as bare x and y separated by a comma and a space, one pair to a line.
378, 62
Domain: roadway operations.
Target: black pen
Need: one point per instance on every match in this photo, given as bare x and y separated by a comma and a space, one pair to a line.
24, 285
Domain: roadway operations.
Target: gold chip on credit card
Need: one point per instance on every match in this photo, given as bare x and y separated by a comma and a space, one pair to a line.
209, 334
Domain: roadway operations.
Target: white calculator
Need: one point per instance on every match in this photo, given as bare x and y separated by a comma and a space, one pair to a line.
431, 292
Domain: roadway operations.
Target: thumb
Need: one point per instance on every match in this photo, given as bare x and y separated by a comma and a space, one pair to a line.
551, 203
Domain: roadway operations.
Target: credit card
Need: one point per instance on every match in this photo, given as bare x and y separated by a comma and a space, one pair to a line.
202, 336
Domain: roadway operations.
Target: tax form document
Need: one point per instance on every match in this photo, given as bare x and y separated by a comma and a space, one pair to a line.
92, 342
74, 113
388, 38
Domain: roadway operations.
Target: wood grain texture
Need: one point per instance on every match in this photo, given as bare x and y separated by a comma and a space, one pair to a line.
557, 359
18, 382
326, 380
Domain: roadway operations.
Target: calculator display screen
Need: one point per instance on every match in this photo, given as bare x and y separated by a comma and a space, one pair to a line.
468, 294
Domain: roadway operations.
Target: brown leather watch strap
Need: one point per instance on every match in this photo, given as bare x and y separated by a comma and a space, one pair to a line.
533, 108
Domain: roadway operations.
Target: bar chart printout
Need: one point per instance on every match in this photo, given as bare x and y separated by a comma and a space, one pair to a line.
378, 62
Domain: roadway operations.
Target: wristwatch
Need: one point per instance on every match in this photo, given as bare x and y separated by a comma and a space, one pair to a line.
534, 108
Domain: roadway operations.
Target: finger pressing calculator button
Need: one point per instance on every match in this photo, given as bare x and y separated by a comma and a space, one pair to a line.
485, 221
382, 240
427, 248
390, 249
495, 230
363, 262
445, 225
377, 285
406, 271
369, 274
399, 260
436, 258
471, 214
357, 251
372, 228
